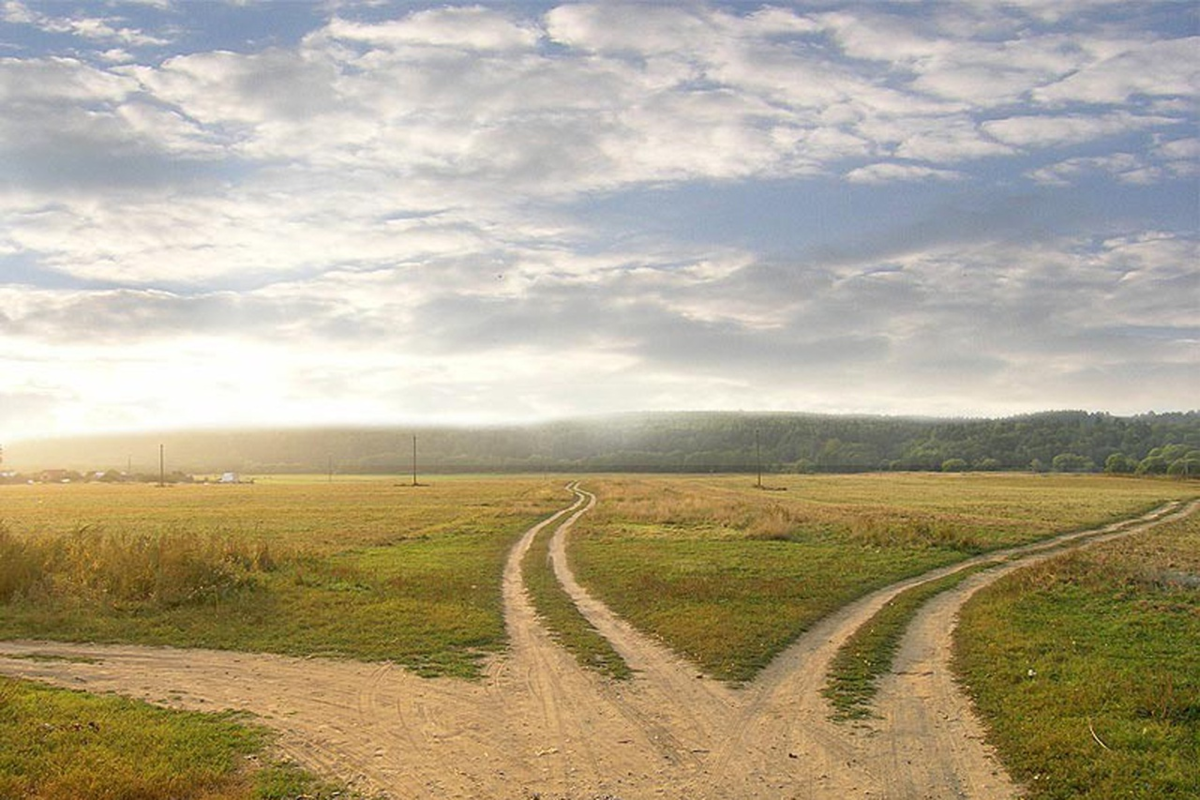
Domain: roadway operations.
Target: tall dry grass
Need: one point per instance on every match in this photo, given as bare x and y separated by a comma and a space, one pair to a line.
161, 570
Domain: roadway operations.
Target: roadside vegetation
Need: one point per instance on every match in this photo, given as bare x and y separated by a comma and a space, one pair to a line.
1086, 668
362, 569
62, 745
728, 575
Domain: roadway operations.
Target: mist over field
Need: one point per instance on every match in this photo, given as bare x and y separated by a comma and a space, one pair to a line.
694, 442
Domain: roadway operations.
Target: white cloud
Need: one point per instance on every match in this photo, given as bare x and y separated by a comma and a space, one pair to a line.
950, 139
46, 81
471, 28
100, 29
385, 216
1139, 69
1124, 165
889, 172
1060, 130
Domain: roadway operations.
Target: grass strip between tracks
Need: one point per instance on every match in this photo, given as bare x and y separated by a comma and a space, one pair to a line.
558, 612
867, 655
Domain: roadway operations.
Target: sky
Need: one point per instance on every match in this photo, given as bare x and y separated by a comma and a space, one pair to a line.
288, 213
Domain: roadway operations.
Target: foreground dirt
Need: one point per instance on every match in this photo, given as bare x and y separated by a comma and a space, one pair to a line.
539, 726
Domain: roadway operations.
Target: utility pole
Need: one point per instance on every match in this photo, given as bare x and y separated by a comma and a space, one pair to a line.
758, 457
162, 466
331, 468
414, 460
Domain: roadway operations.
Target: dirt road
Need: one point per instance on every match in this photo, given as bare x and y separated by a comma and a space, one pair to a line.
540, 726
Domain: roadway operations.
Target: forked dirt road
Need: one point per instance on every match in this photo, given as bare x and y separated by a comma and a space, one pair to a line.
540, 726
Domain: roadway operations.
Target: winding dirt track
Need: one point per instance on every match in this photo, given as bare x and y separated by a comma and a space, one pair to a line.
540, 726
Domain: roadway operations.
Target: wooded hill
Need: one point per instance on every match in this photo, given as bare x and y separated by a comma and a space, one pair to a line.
661, 442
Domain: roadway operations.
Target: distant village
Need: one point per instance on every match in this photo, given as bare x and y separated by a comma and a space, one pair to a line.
117, 476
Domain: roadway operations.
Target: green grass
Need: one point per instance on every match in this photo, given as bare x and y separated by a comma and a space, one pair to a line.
362, 569
62, 745
723, 573
560, 615
731, 606
1086, 668
854, 673
728, 576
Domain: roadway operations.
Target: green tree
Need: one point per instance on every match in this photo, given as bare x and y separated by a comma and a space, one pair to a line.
1171, 452
1187, 467
1072, 462
954, 465
1152, 465
1119, 464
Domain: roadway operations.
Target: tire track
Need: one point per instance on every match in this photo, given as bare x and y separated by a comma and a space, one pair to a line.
538, 724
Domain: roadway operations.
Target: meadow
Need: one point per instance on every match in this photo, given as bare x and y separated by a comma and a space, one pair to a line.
1087, 670
62, 745
728, 574
367, 569
720, 570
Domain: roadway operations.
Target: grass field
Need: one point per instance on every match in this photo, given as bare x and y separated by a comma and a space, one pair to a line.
365, 569
1087, 668
62, 745
374, 569
721, 571
728, 575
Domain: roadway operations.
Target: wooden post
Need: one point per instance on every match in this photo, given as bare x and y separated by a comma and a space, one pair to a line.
758, 457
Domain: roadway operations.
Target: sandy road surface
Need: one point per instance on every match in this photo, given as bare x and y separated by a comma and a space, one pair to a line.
540, 726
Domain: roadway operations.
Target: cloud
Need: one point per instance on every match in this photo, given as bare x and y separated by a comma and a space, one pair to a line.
29, 408
1138, 69
121, 316
469, 28
102, 29
1061, 130
1126, 166
519, 210
887, 172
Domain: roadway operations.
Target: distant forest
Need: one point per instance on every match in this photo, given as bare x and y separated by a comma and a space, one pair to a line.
1063, 441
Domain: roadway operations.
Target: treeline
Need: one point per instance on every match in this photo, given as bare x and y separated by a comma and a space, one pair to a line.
1073, 441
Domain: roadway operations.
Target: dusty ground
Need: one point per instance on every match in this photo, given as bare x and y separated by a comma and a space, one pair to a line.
538, 726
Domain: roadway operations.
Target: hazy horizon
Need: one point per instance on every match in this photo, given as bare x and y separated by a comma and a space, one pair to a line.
418, 427
224, 214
